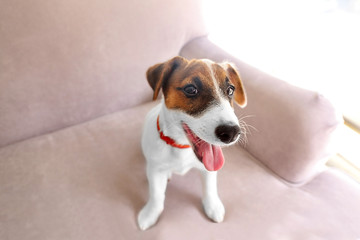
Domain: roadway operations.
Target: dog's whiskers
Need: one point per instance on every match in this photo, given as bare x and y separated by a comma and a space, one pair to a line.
245, 129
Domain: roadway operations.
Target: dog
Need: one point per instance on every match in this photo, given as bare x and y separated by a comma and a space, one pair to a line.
187, 129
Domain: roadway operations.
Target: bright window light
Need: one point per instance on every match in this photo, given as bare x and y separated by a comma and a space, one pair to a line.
349, 149
313, 44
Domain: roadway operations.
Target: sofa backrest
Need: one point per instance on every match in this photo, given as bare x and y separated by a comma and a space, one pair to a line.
66, 62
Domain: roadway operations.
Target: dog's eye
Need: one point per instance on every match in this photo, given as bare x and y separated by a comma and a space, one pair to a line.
230, 90
190, 90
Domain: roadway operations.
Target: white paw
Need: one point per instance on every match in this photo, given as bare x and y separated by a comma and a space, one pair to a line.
148, 216
214, 209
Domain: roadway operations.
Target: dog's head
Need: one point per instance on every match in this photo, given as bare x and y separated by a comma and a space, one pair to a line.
201, 94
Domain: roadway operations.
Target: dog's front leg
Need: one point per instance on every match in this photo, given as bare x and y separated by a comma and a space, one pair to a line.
155, 205
212, 204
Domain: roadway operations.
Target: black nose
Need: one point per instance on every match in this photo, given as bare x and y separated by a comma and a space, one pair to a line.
227, 133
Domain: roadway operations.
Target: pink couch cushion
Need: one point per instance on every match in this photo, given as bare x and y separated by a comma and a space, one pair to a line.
88, 182
66, 62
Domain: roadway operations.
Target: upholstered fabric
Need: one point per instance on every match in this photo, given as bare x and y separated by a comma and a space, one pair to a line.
66, 62
292, 128
63, 64
88, 182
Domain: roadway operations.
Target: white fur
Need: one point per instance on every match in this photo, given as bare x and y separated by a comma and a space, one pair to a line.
163, 160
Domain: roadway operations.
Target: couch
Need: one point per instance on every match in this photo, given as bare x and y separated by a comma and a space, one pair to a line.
73, 97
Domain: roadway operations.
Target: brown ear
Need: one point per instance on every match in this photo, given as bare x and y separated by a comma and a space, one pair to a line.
234, 77
158, 74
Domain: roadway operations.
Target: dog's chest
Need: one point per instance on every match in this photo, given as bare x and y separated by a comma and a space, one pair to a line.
178, 161
182, 161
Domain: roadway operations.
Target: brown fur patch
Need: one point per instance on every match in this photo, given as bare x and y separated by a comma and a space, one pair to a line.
222, 81
178, 73
194, 73
234, 77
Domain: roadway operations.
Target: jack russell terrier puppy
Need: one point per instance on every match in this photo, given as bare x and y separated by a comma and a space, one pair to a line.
186, 130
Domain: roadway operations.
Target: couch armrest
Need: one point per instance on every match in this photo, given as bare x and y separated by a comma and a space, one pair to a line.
294, 126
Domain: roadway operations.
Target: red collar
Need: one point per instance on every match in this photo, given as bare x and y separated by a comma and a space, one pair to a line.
169, 140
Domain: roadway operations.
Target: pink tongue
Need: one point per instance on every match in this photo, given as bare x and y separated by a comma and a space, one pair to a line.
213, 158
210, 155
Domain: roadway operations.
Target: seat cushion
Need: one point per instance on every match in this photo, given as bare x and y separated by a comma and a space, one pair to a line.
88, 182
